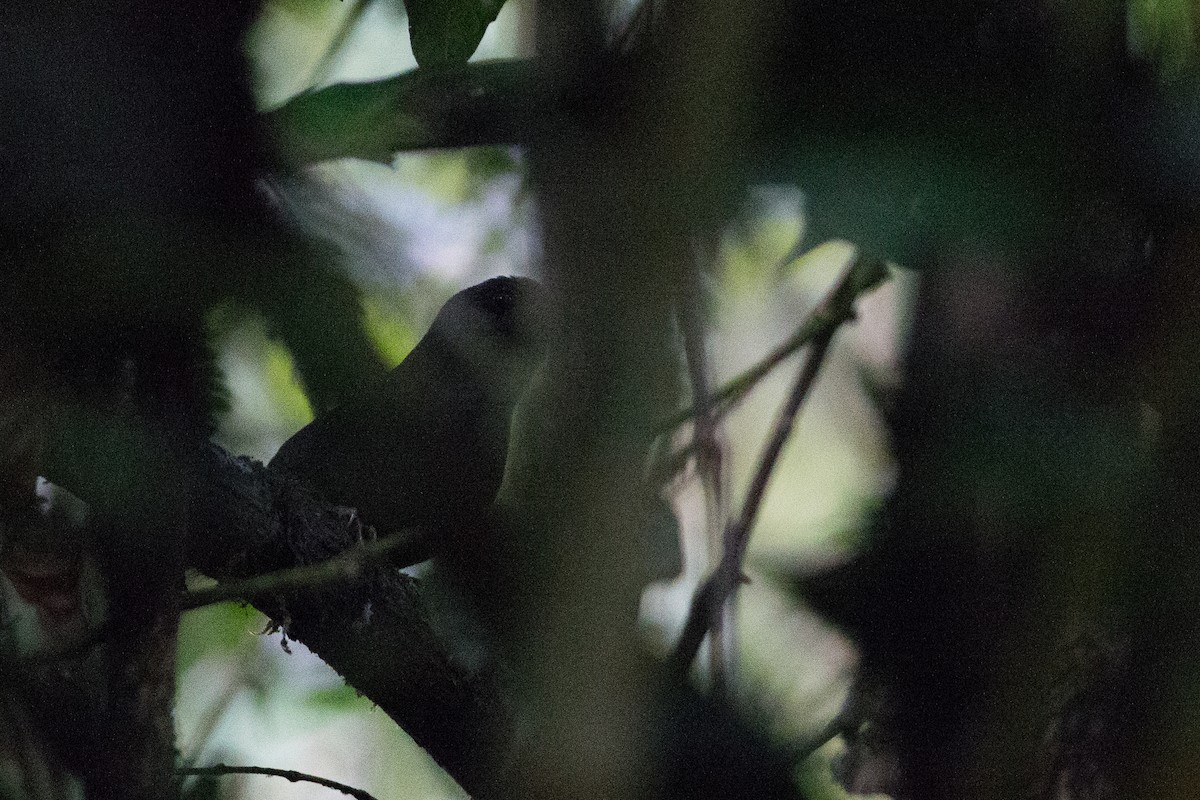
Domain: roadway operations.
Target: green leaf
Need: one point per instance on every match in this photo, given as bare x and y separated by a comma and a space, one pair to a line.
446, 32
336, 698
1164, 33
219, 630
485, 102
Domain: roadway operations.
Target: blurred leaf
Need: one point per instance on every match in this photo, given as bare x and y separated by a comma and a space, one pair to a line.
658, 536
487, 163
446, 32
493, 242
391, 332
1164, 32
894, 195
363, 120
447, 176
817, 781
215, 630
317, 312
472, 104
753, 253
307, 9
459, 176
335, 698
292, 402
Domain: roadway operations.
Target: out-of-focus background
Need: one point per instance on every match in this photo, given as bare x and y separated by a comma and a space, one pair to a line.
411, 234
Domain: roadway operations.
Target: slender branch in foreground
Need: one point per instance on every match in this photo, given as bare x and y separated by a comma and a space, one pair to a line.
349, 21
342, 568
707, 442
728, 575
291, 775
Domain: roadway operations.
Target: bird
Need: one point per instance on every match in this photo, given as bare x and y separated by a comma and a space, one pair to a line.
424, 449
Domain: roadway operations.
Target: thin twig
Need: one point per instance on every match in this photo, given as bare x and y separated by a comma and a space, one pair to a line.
345, 567
342, 568
705, 434
212, 716
834, 728
707, 443
291, 775
713, 594
860, 277
346, 27
780, 433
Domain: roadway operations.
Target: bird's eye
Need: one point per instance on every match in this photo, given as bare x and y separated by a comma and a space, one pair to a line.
500, 304
497, 297
503, 303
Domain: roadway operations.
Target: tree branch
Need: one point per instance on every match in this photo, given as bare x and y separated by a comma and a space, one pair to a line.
820, 329
708, 444
291, 775
860, 277
490, 102
245, 520
398, 550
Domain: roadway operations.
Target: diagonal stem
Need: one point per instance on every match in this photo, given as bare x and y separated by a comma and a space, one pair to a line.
333, 49
724, 581
861, 276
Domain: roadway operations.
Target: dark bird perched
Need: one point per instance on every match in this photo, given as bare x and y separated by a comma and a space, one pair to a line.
425, 448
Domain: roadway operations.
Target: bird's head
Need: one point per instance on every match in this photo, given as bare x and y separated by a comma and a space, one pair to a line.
497, 329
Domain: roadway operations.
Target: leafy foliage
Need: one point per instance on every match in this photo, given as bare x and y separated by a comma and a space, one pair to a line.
1001, 148
446, 32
